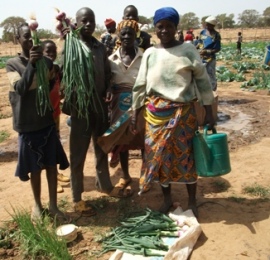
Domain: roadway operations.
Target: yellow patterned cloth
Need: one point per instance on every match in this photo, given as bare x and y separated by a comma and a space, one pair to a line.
168, 146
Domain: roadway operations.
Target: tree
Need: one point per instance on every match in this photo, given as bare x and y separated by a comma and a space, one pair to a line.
189, 20
249, 18
266, 16
45, 34
144, 20
10, 25
225, 21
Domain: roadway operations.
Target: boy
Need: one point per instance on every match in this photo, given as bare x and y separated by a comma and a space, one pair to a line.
39, 145
81, 132
50, 51
143, 38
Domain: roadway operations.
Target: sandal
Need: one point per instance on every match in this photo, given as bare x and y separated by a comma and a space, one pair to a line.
118, 192
83, 209
123, 183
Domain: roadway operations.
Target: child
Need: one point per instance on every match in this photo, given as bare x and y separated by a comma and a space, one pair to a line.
39, 145
143, 38
106, 38
50, 51
239, 43
81, 132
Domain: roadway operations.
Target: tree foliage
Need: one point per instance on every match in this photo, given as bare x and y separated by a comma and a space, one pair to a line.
189, 20
225, 21
249, 18
144, 20
266, 16
10, 25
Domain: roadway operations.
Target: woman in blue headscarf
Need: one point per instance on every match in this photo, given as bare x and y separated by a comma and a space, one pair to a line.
170, 79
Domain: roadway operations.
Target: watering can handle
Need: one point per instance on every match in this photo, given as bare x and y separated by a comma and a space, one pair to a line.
214, 130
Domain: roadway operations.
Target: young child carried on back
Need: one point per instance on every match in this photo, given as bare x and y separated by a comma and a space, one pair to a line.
39, 145
50, 51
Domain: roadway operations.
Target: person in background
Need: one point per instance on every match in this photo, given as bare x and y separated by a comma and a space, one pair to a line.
188, 37
239, 43
170, 79
107, 38
50, 51
39, 145
125, 63
143, 39
180, 36
211, 44
196, 41
81, 132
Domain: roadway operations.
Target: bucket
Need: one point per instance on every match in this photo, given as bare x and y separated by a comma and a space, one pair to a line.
266, 59
211, 153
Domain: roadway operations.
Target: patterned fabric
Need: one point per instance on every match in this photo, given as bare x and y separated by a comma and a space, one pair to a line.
128, 23
168, 147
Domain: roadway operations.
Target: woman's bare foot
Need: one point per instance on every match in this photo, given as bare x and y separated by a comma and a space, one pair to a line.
165, 207
193, 206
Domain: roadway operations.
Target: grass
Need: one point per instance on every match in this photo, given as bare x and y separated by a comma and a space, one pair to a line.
220, 186
3, 135
236, 199
3, 61
257, 190
38, 241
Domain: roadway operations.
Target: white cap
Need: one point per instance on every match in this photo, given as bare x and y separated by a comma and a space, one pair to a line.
211, 19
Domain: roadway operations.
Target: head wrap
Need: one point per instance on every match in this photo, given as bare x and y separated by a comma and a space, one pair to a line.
128, 23
167, 13
109, 22
211, 19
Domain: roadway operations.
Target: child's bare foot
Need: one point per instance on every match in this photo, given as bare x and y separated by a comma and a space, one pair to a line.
59, 215
37, 213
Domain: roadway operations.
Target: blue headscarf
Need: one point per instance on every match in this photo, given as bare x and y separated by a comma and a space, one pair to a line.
166, 13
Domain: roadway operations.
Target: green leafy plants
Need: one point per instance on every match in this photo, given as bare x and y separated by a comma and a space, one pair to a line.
3, 136
257, 190
39, 239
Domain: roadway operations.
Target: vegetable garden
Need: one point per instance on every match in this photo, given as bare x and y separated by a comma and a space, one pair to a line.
248, 68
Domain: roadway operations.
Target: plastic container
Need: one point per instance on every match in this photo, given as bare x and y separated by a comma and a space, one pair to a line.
211, 153
267, 56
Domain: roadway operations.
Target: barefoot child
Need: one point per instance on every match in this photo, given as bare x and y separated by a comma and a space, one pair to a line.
39, 145
50, 51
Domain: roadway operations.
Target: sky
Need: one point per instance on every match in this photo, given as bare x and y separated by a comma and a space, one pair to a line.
45, 12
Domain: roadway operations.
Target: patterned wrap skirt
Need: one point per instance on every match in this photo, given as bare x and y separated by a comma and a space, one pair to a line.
38, 150
170, 128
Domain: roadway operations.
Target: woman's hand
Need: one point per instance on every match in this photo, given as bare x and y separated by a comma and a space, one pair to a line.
209, 118
133, 122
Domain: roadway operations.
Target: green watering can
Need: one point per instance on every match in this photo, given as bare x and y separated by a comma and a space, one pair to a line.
211, 153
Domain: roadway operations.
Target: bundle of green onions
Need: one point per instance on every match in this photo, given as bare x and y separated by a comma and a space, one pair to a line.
43, 93
141, 235
78, 71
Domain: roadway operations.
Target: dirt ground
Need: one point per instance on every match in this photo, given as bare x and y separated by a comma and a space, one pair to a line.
235, 225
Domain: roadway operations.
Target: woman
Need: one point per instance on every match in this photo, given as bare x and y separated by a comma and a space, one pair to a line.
170, 79
211, 44
125, 63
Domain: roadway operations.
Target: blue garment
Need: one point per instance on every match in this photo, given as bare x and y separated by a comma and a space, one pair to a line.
210, 42
39, 149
